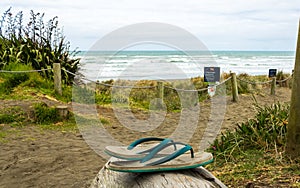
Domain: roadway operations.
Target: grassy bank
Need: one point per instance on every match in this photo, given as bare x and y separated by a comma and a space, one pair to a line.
254, 154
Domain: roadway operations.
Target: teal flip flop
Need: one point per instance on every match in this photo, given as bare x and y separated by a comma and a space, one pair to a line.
138, 149
178, 160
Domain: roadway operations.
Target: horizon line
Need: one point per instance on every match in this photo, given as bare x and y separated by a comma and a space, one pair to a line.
163, 50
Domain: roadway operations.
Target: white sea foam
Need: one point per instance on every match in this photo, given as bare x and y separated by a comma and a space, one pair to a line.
172, 65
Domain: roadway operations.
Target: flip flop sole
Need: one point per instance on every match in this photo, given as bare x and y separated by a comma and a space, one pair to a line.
122, 152
134, 151
180, 163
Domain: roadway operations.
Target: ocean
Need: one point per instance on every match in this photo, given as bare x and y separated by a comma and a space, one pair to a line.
164, 65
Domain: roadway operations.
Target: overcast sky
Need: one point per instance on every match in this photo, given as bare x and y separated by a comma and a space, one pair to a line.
219, 24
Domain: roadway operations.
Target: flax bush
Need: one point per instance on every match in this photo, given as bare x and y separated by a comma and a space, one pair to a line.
36, 43
266, 131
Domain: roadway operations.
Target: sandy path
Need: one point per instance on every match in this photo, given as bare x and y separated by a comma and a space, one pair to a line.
45, 158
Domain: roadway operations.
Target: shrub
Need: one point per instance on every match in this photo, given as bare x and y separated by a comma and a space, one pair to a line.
247, 83
144, 97
6, 118
12, 114
282, 76
38, 82
12, 80
44, 114
37, 43
83, 95
266, 131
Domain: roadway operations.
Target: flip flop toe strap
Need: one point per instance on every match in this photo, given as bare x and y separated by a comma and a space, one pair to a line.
142, 140
156, 148
168, 157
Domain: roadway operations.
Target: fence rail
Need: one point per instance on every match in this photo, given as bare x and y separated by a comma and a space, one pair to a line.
25, 71
288, 78
254, 83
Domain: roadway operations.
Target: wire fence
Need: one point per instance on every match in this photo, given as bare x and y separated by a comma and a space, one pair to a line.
198, 90
284, 80
224, 81
110, 85
25, 71
266, 82
254, 83
185, 90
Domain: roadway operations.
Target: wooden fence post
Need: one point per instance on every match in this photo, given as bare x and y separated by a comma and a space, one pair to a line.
57, 78
160, 90
293, 128
273, 85
287, 83
62, 111
234, 87
159, 94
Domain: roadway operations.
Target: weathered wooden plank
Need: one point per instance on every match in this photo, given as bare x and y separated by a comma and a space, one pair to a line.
197, 178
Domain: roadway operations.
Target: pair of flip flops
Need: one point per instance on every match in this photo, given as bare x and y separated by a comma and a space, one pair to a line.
166, 155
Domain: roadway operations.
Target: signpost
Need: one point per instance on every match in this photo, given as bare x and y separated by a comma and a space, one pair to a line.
211, 75
272, 73
211, 90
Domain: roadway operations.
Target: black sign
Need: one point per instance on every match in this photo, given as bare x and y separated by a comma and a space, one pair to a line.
211, 74
272, 72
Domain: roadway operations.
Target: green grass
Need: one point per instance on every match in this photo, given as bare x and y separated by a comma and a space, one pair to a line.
104, 121
11, 80
6, 118
258, 167
35, 88
11, 115
2, 136
21, 86
71, 124
6, 132
63, 126
44, 114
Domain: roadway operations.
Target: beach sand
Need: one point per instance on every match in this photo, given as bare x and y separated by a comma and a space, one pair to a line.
35, 157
